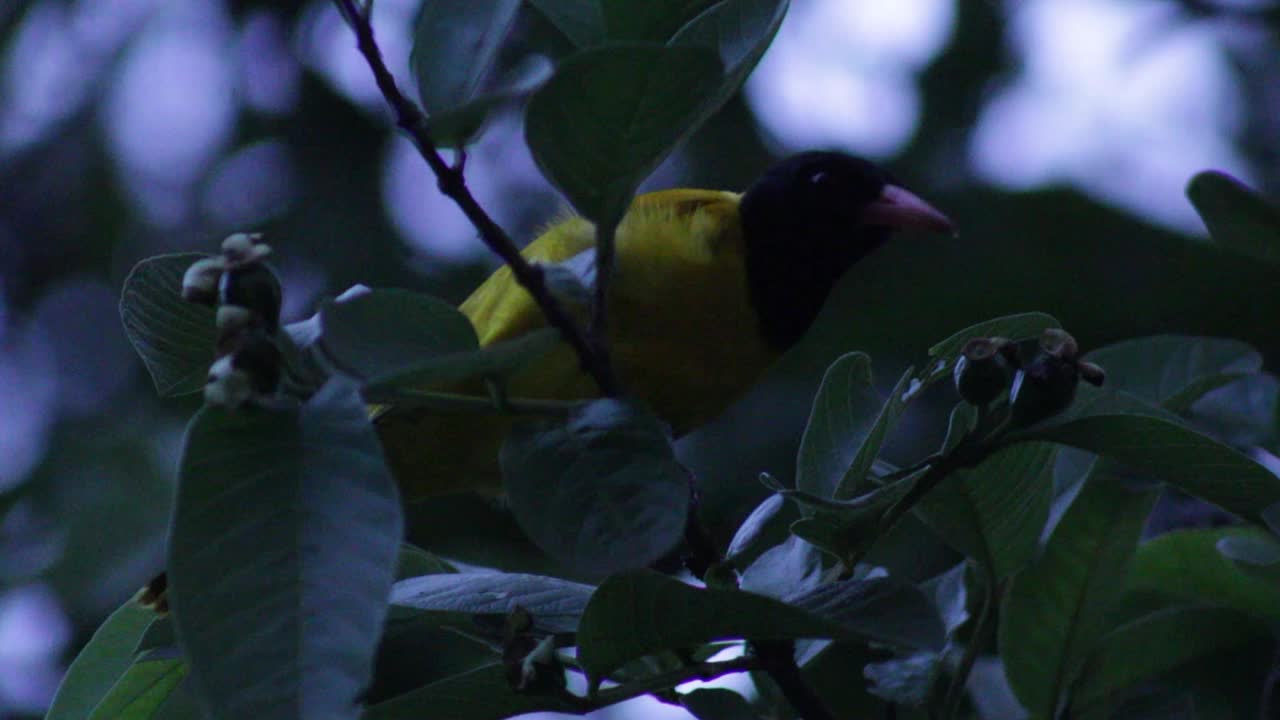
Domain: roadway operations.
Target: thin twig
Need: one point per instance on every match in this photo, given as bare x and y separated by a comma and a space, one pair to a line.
779, 661
410, 118
598, 329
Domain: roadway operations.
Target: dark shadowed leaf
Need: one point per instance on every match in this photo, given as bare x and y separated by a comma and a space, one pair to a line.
416, 562
100, 663
847, 427
1157, 643
1055, 612
173, 337
555, 604
480, 694
1236, 215
846, 528
739, 31
882, 608
581, 21
1153, 442
601, 491
995, 512
785, 569
642, 613
608, 117
1174, 370
1187, 565
651, 21
281, 556
455, 44
382, 334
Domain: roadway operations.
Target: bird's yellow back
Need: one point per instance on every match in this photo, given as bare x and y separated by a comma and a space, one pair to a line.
683, 335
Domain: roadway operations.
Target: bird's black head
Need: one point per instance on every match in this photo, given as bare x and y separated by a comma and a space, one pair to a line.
806, 221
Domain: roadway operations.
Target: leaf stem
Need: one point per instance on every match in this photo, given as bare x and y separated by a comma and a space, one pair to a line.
411, 118
606, 248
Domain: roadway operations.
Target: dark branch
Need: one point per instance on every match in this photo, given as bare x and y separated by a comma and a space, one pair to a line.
410, 118
777, 658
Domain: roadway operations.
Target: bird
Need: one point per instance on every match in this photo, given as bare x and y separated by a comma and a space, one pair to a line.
710, 287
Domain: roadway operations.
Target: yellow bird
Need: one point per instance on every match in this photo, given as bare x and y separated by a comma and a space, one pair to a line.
710, 287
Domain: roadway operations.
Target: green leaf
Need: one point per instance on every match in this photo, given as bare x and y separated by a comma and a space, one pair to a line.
716, 704
1254, 554
1014, 327
784, 569
581, 21
1174, 370
1238, 217
416, 562
995, 512
1154, 443
601, 491
905, 680
1186, 565
458, 126
382, 335
1055, 612
555, 604
281, 555
641, 613
143, 688
480, 694
1155, 644
101, 662
608, 117
740, 31
753, 527
879, 607
846, 528
649, 21
173, 337
844, 412
847, 427
455, 44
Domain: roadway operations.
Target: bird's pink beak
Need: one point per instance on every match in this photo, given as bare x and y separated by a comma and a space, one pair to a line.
900, 208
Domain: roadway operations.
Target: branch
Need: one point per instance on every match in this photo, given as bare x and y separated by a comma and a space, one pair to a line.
410, 118
442, 402
992, 589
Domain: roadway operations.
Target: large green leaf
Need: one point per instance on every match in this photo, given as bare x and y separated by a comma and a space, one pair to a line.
601, 491
995, 512
1186, 565
281, 556
143, 689
1155, 644
555, 604
100, 663
740, 31
1236, 215
1153, 442
173, 337
581, 21
455, 44
480, 694
641, 613
609, 115
650, 21
1056, 611
382, 334
1174, 370
847, 427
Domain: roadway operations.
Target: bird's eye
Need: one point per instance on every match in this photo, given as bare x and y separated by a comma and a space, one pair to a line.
818, 178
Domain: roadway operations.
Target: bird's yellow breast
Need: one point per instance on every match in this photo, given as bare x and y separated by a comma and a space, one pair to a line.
684, 338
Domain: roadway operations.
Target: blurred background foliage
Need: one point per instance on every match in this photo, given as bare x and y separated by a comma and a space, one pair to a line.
1059, 134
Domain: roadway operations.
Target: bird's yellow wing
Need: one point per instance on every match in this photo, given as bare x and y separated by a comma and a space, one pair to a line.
683, 334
